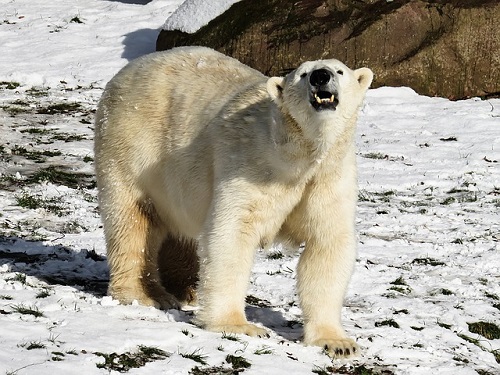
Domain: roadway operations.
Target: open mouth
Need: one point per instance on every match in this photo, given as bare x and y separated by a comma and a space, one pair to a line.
324, 100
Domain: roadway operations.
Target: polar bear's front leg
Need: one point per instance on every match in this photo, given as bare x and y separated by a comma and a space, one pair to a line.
226, 261
323, 275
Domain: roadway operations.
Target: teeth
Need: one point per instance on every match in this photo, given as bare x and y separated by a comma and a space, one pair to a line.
325, 100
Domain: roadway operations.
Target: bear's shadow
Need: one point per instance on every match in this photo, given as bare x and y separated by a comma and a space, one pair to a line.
87, 271
55, 264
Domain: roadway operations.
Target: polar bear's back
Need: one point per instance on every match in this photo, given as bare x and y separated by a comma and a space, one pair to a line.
162, 101
184, 81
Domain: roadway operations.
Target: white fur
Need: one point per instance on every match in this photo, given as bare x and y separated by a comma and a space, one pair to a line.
193, 145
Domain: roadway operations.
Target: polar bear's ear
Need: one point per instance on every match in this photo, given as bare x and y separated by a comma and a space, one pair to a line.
275, 87
364, 77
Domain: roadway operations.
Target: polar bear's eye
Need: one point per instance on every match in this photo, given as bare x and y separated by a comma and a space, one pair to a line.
303, 75
340, 72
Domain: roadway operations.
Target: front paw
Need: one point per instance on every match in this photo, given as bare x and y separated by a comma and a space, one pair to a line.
245, 329
338, 348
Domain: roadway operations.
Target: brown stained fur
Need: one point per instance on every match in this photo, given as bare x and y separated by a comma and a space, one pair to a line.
179, 266
176, 261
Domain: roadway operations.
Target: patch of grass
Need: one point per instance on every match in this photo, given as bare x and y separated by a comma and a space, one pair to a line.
37, 131
365, 196
196, 356
491, 295
58, 356
264, 350
37, 156
496, 354
488, 330
59, 177
387, 322
6, 297
399, 281
375, 155
216, 370
230, 337
401, 289
445, 292
275, 255
26, 310
427, 262
352, 370
29, 201
67, 137
448, 201
14, 110
256, 301
34, 202
38, 91
43, 293
126, 361
237, 362
33, 345
75, 19
444, 325
9, 85
321, 370
469, 339
20, 102
59, 108
20, 277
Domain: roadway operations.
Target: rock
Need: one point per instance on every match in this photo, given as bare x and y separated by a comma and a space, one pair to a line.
448, 48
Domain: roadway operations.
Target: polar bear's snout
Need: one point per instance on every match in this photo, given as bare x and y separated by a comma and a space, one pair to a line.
324, 94
319, 77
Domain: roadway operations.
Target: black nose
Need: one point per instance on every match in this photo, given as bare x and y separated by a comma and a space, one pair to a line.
319, 77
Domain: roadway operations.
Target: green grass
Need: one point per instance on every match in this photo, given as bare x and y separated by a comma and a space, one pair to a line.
59, 108
427, 262
264, 350
129, 360
216, 370
196, 356
388, 323
375, 155
43, 293
230, 337
36, 156
444, 325
352, 370
38, 92
60, 177
9, 85
256, 301
34, 202
33, 345
237, 362
399, 281
488, 330
19, 277
26, 310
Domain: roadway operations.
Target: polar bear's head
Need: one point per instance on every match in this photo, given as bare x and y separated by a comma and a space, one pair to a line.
324, 90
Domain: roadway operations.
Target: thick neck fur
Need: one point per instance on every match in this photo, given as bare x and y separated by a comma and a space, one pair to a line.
299, 155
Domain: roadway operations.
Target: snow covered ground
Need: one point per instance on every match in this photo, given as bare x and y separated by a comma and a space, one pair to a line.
425, 296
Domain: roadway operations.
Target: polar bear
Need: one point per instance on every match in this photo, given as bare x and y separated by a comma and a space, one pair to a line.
199, 156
